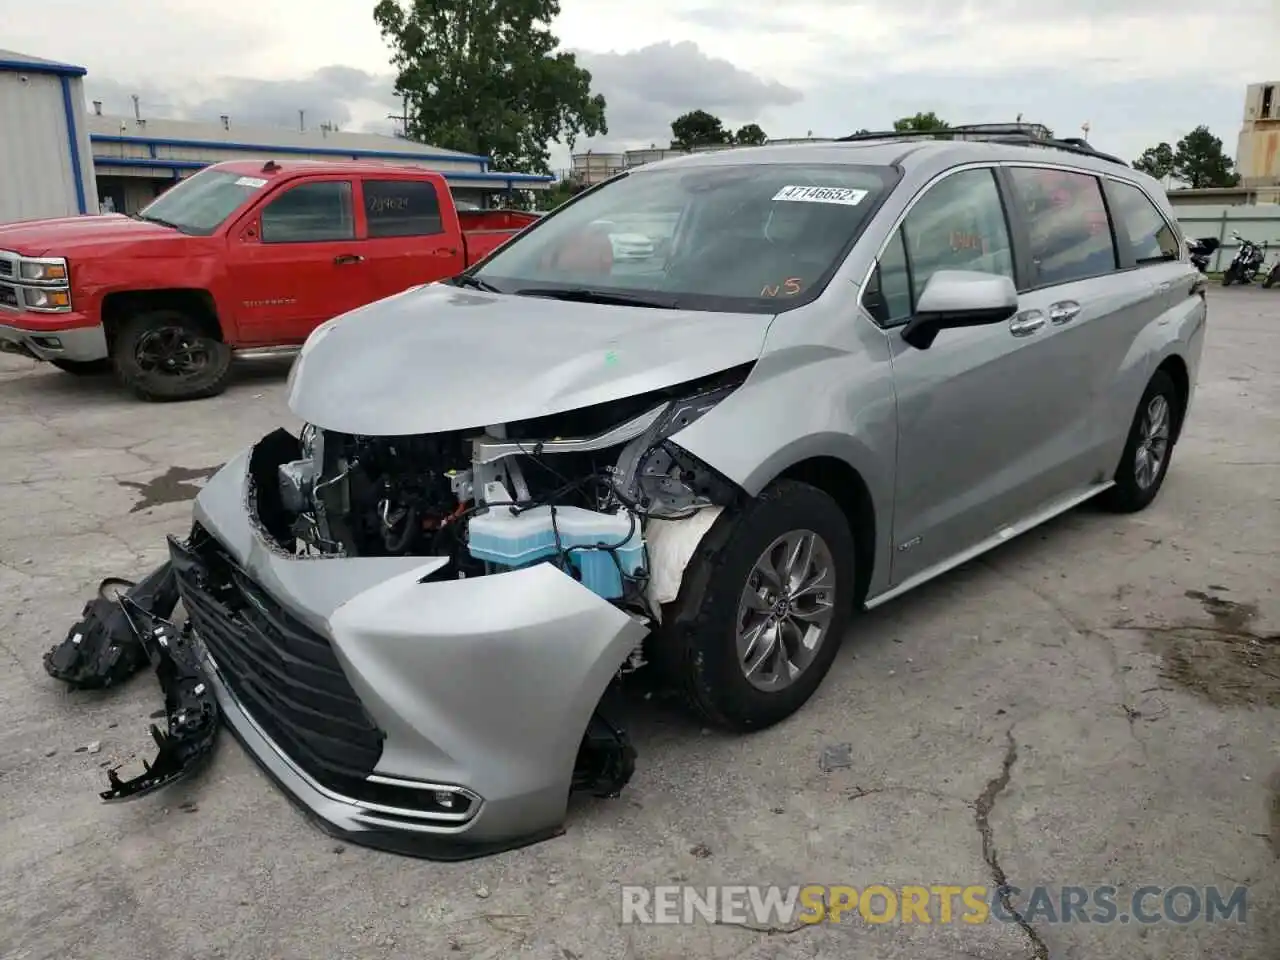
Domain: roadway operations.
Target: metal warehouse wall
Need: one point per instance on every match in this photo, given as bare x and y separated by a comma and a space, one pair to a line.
1260, 223
39, 178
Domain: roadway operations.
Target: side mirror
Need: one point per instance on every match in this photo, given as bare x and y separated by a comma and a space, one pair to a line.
960, 298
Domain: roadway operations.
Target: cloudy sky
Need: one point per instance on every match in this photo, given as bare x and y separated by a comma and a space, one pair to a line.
1137, 71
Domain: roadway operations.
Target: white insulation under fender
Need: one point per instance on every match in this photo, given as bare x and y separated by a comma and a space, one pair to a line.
671, 544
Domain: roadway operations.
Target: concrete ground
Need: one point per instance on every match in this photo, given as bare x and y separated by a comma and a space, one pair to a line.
1096, 703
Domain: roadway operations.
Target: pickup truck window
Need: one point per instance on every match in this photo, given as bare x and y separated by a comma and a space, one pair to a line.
310, 213
402, 208
757, 237
201, 203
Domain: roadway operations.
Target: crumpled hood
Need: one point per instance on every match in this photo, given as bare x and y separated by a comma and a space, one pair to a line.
440, 358
66, 236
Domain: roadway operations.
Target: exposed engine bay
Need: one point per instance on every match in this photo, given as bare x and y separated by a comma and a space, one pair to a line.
575, 489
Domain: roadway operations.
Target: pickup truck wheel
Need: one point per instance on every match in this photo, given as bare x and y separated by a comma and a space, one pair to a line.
165, 355
762, 609
83, 368
1145, 460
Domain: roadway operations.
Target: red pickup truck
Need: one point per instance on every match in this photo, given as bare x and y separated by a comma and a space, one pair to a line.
242, 255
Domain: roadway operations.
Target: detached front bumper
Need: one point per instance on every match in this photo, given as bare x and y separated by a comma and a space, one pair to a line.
52, 336
440, 719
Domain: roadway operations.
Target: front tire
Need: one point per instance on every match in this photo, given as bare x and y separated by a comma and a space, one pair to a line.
1269, 280
762, 609
1145, 461
167, 355
1229, 277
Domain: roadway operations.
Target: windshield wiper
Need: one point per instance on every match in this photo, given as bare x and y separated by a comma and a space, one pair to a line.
161, 221
587, 295
467, 280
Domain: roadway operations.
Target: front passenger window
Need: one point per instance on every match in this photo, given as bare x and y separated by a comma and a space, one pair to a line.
310, 213
958, 225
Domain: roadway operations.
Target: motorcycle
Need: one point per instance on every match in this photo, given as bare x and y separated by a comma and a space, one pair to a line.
1246, 263
1201, 249
1273, 276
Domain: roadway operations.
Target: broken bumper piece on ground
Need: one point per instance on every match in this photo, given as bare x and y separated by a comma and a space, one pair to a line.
122, 629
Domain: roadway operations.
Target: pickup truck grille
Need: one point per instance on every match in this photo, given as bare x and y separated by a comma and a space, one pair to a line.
6, 267
284, 674
8, 295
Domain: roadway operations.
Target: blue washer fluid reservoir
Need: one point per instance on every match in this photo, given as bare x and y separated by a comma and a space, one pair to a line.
499, 537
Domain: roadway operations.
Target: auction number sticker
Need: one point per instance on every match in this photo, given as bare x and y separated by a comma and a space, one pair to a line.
254, 182
843, 195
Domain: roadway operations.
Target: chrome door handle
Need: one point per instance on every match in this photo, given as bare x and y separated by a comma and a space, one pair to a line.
1164, 287
1064, 311
1026, 323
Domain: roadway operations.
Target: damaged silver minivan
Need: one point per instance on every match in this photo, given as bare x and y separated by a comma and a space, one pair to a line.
838, 371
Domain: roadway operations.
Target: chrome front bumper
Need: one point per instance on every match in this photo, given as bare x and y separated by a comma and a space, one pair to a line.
81, 344
481, 687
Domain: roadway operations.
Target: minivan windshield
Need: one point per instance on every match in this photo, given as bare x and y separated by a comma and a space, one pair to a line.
200, 204
751, 237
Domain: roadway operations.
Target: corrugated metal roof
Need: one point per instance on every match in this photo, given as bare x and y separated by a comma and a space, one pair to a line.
12, 61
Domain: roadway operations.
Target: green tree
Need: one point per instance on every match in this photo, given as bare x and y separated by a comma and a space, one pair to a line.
750, 135
1157, 161
921, 123
485, 77
697, 128
1199, 161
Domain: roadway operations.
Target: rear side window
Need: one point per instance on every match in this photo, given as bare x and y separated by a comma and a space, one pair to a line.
402, 208
1067, 221
1151, 239
310, 212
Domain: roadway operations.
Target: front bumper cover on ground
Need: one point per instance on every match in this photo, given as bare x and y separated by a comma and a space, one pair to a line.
445, 719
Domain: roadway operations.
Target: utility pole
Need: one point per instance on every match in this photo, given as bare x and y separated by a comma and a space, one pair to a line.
301, 124
403, 117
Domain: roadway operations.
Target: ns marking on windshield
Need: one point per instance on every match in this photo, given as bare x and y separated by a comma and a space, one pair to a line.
254, 182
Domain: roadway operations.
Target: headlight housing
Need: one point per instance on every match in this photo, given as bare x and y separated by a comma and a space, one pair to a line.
38, 284
52, 270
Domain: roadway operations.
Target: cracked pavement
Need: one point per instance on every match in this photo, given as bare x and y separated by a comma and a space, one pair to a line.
1026, 719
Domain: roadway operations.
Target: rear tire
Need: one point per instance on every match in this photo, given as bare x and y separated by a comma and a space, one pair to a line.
1229, 277
83, 368
706, 645
1152, 435
167, 355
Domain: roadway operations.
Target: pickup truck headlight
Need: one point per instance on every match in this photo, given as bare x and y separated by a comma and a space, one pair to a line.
44, 299
45, 270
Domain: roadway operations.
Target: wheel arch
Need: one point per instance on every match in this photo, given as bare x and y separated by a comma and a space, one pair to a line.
195, 302
846, 486
1176, 369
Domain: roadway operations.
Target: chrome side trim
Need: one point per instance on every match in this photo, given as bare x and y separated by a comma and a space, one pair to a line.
457, 821
489, 449
1003, 535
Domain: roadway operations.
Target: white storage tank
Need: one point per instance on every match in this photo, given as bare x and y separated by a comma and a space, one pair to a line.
44, 140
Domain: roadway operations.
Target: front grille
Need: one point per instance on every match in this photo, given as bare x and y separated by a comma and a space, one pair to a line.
285, 674
6, 268
8, 295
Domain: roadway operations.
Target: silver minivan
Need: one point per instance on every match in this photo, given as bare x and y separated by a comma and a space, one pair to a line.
837, 371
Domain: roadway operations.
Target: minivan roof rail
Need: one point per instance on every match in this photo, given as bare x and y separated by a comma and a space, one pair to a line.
1018, 134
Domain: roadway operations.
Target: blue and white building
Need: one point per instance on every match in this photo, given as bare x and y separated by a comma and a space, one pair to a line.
60, 159
45, 152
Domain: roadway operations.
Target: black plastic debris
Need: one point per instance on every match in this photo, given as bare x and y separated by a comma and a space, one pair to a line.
123, 629
103, 648
191, 716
